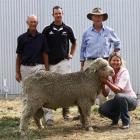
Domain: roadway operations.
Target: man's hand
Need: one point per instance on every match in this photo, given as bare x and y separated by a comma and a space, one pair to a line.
46, 67
82, 69
18, 77
82, 65
70, 56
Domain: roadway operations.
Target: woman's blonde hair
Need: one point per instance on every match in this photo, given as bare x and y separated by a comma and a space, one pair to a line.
123, 63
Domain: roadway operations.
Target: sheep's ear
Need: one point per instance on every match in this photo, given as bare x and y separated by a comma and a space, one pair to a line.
90, 70
87, 69
94, 70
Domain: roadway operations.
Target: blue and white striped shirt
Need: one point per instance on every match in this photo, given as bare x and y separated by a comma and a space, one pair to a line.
98, 44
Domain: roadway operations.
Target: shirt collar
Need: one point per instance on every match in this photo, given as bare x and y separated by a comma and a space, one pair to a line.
93, 28
29, 34
53, 25
122, 69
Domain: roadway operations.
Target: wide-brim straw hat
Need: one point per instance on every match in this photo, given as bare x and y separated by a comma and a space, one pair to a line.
97, 11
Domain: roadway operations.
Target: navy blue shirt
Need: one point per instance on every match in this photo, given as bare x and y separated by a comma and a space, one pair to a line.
31, 48
58, 38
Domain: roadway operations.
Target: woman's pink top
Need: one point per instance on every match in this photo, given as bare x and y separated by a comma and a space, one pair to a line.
122, 80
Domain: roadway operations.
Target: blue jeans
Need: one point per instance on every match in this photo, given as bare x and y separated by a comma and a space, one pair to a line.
118, 107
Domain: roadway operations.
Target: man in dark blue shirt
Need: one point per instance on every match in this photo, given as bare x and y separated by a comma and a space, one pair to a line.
32, 50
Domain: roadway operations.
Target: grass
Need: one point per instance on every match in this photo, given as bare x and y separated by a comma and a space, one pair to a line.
9, 128
10, 112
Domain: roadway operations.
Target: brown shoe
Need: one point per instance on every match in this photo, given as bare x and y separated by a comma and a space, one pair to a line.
66, 117
76, 118
65, 112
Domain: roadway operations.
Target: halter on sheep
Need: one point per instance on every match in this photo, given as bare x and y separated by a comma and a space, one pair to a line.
56, 90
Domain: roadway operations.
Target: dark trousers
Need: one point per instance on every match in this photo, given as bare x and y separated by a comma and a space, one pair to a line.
65, 112
118, 107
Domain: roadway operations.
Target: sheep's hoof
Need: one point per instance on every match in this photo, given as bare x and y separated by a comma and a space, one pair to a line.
79, 126
89, 128
50, 122
40, 127
23, 135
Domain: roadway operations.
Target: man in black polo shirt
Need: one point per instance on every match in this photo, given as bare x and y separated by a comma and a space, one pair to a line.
58, 36
32, 50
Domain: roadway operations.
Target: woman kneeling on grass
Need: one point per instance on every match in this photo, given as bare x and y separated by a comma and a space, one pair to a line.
124, 99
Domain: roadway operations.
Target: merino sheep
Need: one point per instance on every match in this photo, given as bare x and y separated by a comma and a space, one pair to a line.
58, 91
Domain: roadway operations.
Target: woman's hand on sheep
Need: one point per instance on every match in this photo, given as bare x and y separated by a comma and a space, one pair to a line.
103, 80
105, 90
111, 85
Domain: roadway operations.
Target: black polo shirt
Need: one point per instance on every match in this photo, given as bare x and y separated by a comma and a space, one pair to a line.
58, 38
31, 48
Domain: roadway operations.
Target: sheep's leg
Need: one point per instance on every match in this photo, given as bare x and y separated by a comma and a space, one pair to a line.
37, 122
25, 117
81, 116
37, 117
88, 125
85, 110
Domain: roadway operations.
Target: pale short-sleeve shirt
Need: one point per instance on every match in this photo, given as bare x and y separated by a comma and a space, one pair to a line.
123, 81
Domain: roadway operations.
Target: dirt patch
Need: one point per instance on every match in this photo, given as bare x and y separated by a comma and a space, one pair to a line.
10, 111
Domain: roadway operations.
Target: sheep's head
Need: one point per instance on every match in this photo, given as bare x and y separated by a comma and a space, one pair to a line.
102, 67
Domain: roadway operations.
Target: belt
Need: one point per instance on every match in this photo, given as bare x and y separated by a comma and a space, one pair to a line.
55, 61
91, 58
31, 64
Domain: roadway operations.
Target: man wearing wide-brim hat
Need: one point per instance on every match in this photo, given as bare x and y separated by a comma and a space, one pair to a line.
97, 12
98, 40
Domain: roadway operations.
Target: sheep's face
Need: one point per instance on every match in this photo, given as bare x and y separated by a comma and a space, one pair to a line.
105, 71
102, 67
